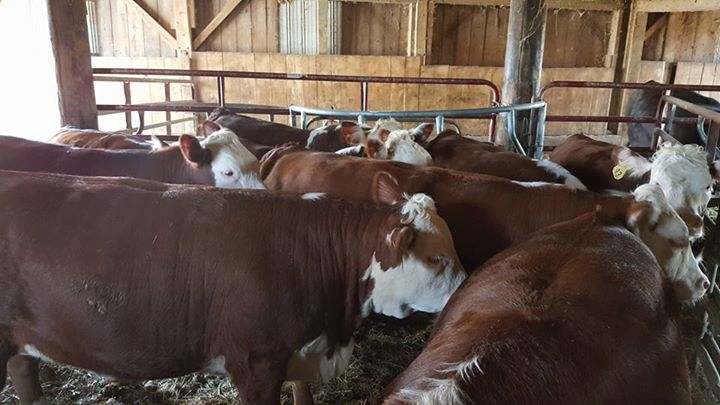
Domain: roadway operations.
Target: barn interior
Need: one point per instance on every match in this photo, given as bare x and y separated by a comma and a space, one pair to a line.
159, 67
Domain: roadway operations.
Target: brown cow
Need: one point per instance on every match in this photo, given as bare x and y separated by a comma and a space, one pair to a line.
453, 151
258, 131
262, 286
92, 138
578, 314
488, 214
219, 160
681, 171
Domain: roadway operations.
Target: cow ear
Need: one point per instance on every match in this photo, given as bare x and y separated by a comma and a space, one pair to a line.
352, 132
384, 134
157, 143
422, 133
386, 189
715, 171
401, 238
642, 215
193, 152
208, 127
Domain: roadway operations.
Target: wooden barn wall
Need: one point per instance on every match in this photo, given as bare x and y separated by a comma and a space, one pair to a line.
476, 36
123, 32
692, 37
374, 29
252, 26
699, 73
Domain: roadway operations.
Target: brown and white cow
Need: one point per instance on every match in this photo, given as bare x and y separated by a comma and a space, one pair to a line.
256, 130
578, 314
681, 171
219, 160
262, 286
488, 214
334, 137
92, 138
453, 151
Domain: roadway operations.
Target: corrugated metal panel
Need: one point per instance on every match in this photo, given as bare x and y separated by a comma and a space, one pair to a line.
299, 27
334, 18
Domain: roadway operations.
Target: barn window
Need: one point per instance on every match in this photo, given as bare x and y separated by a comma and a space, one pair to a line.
92, 27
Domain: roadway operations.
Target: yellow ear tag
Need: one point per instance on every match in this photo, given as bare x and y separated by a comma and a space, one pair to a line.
619, 171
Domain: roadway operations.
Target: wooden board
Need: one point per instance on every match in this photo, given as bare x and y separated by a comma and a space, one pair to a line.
374, 29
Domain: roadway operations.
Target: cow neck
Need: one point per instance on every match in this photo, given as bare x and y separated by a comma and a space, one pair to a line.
341, 248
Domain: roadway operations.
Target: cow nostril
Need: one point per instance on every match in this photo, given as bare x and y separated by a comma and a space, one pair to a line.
705, 285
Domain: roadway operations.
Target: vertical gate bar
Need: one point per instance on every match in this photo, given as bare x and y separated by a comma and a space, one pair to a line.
128, 101
364, 96
540, 133
713, 134
168, 116
221, 90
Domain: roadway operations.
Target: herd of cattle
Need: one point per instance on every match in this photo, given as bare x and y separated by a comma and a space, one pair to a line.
557, 281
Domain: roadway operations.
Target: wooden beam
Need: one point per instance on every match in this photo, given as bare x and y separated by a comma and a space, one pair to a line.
73, 67
656, 27
592, 5
215, 23
613, 43
634, 45
153, 23
667, 6
421, 31
183, 30
523, 65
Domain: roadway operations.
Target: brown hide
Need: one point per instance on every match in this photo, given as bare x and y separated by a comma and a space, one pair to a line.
90, 138
592, 162
258, 131
485, 214
160, 295
576, 315
453, 151
167, 165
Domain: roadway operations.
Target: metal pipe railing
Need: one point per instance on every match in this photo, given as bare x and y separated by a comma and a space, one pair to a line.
668, 106
221, 75
438, 115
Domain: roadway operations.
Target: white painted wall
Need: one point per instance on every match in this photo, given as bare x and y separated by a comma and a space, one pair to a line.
28, 88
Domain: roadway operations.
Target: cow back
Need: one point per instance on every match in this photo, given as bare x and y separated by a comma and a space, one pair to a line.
258, 131
535, 326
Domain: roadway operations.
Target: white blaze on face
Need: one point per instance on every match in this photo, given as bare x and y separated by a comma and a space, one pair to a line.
233, 165
683, 174
429, 271
667, 236
401, 147
385, 124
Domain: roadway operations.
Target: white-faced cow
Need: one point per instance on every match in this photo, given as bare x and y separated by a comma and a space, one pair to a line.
488, 214
219, 160
681, 171
262, 286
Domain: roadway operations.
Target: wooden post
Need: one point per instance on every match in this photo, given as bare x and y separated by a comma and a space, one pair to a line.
523, 63
183, 31
73, 66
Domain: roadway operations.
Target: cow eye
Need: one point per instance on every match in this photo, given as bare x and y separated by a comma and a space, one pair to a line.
437, 259
227, 173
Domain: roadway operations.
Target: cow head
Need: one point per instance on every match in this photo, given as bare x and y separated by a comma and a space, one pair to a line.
683, 173
231, 164
401, 147
333, 137
415, 266
383, 128
663, 231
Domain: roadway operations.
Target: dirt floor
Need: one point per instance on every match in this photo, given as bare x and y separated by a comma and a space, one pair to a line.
384, 348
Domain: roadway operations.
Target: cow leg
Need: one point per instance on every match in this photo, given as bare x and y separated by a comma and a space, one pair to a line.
302, 395
260, 381
24, 373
